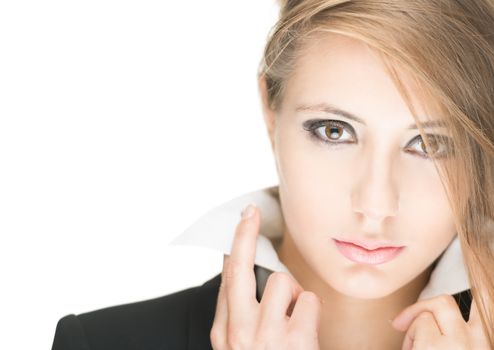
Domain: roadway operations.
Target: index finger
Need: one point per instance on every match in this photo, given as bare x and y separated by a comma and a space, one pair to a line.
443, 307
239, 275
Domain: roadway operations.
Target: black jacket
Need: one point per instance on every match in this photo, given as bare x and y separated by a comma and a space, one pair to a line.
181, 320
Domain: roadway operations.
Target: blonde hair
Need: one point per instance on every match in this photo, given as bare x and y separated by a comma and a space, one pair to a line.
446, 48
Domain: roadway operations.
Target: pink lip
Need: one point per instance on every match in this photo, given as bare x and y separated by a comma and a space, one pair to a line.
369, 245
360, 254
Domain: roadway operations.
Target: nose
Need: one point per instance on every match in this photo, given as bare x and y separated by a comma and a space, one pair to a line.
375, 195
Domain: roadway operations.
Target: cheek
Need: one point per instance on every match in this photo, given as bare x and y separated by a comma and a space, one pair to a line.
426, 213
314, 185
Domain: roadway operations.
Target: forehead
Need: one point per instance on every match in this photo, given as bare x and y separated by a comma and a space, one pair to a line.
337, 69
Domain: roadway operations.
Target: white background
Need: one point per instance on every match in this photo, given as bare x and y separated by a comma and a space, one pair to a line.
121, 123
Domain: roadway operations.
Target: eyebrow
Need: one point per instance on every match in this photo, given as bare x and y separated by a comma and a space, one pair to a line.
328, 108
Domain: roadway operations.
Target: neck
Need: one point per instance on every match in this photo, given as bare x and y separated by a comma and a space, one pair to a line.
348, 322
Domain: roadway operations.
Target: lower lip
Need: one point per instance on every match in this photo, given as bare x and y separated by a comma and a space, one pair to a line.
361, 255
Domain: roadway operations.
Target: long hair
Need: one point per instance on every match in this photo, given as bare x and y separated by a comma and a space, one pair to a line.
444, 47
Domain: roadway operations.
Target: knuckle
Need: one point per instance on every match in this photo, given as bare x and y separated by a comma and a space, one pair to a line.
222, 287
237, 339
425, 315
296, 340
278, 277
266, 335
446, 300
459, 345
300, 337
309, 297
233, 270
216, 336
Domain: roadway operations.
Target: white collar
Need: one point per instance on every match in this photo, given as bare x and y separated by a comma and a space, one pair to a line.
216, 228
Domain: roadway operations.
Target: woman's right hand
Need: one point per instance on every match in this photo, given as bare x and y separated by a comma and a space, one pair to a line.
241, 322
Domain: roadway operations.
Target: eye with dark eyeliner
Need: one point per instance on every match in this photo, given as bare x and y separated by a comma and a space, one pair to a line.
332, 131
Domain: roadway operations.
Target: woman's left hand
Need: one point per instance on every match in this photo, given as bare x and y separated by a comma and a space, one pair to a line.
437, 323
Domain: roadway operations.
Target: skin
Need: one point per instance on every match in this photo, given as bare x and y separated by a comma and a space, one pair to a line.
371, 189
375, 188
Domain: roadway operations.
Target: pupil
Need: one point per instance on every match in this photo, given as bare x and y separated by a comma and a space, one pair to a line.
335, 132
433, 144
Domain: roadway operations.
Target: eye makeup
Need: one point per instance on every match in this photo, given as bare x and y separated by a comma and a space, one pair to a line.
330, 131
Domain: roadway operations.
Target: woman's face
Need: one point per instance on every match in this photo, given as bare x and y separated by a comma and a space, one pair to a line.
367, 180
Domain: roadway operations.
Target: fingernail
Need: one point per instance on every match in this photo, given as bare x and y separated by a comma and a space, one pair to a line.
248, 211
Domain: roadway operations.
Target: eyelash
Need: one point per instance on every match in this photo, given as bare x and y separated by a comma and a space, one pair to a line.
314, 125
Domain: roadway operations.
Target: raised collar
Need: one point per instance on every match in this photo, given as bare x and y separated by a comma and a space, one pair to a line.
215, 230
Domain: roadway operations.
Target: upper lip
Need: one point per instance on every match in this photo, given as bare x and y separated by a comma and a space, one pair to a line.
370, 245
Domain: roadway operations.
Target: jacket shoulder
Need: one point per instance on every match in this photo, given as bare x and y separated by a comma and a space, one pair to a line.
159, 323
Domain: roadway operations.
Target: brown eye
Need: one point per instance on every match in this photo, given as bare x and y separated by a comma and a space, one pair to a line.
433, 144
439, 146
333, 132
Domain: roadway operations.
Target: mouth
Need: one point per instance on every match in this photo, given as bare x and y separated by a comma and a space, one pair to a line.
369, 245
380, 254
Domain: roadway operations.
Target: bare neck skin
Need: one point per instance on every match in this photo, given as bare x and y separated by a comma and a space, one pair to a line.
349, 323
